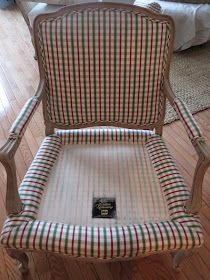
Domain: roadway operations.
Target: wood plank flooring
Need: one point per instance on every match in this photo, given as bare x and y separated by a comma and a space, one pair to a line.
18, 81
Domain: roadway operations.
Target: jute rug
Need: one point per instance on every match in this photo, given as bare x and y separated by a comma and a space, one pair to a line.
190, 79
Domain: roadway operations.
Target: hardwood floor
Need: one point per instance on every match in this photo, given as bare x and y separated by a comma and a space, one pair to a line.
18, 81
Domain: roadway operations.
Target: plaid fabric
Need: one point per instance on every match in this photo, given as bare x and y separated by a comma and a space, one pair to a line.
187, 119
103, 135
181, 231
175, 190
19, 126
104, 65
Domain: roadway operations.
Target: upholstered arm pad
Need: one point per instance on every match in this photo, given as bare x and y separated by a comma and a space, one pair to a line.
8, 150
19, 126
187, 120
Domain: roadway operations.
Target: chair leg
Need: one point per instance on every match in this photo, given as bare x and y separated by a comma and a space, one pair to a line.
179, 256
177, 259
21, 257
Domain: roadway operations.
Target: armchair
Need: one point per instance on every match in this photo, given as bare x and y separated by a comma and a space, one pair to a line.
104, 80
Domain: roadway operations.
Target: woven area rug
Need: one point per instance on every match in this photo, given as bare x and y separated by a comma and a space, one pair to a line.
190, 79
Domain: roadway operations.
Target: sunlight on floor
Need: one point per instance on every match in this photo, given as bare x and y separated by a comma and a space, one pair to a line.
3, 99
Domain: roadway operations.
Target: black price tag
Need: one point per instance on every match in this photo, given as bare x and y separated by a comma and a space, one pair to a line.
104, 207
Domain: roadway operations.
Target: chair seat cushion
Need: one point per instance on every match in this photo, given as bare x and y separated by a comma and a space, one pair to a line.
72, 168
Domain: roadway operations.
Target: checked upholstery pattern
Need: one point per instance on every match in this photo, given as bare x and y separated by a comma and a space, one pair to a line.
187, 119
104, 65
179, 231
19, 126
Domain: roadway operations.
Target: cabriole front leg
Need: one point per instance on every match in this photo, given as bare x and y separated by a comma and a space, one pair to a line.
21, 257
194, 203
13, 201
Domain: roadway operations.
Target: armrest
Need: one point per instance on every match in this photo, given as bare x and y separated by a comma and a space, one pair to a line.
7, 151
20, 124
188, 121
193, 131
18, 128
203, 150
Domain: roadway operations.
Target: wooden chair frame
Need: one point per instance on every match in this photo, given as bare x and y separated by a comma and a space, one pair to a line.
7, 152
25, 9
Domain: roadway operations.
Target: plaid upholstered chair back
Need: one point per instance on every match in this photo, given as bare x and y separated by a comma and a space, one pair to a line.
103, 64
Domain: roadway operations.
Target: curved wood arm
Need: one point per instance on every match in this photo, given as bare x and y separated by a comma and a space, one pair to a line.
203, 150
194, 203
194, 136
185, 116
13, 201
7, 153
